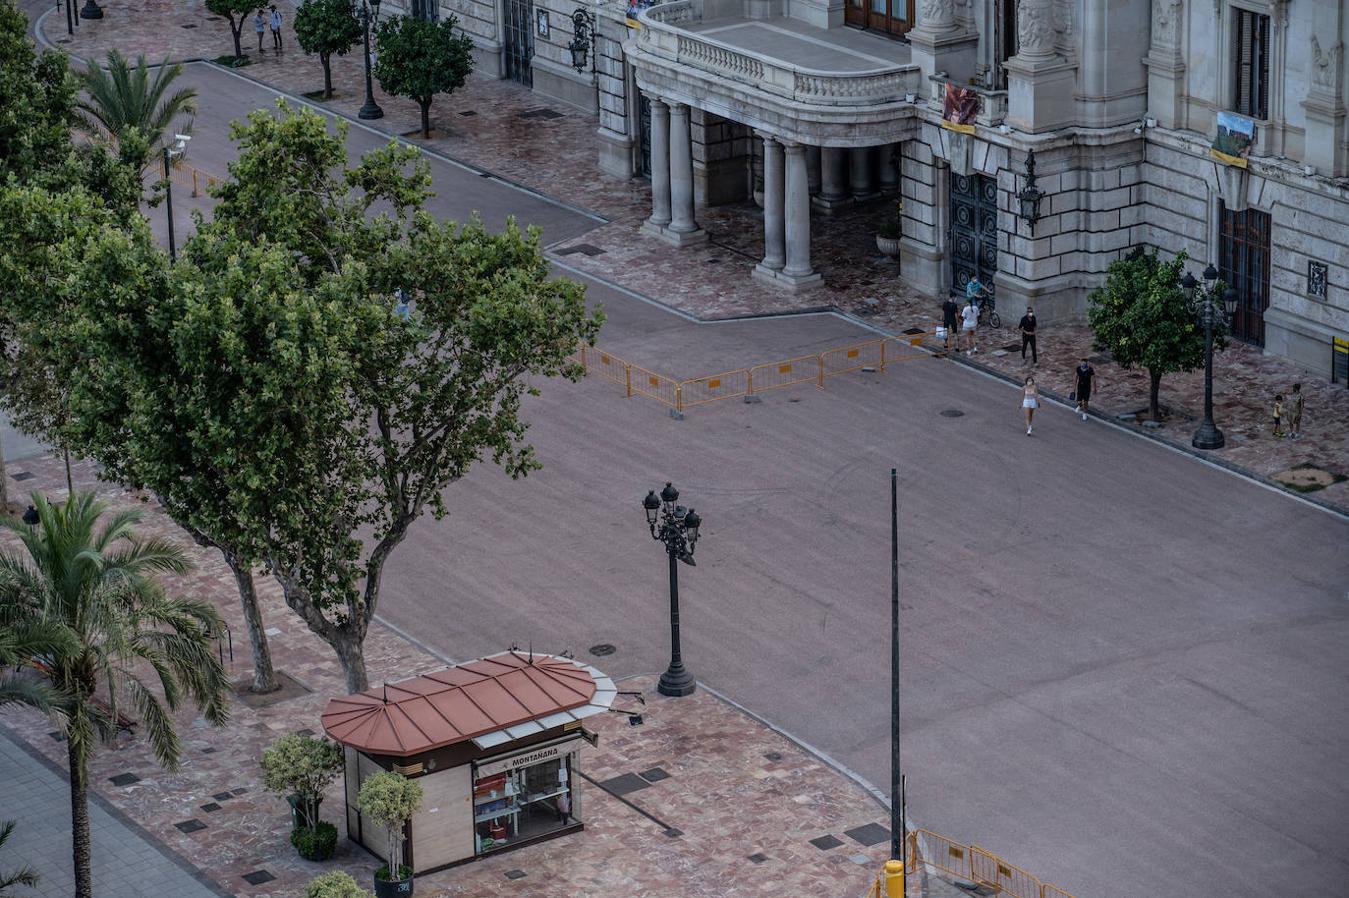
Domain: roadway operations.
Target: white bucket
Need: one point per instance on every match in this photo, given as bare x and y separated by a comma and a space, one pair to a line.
941, 333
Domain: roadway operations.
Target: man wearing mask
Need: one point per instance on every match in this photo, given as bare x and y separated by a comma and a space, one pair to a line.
1084, 374
1027, 327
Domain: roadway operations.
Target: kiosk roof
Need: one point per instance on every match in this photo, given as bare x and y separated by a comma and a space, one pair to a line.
459, 703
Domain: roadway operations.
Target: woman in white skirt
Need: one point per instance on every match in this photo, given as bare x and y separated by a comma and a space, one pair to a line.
1030, 401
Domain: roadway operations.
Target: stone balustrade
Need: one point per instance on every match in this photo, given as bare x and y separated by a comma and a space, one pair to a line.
662, 37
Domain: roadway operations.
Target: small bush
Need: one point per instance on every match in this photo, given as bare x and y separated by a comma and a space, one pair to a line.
232, 61
404, 872
334, 885
317, 844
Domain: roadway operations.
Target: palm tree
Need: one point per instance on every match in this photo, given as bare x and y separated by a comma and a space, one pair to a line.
121, 97
91, 583
24, 876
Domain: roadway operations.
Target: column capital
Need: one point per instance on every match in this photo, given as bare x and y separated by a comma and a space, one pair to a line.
792, 147
677, 108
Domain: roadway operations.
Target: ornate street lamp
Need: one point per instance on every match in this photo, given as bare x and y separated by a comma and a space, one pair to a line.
676, 527
1209, 313
583, 29
170, 153
371, 109
1030, 195
91, 10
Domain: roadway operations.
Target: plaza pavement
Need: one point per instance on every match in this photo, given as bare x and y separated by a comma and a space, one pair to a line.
1112, 651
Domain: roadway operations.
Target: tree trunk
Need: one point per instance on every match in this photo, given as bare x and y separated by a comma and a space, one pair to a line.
426, 119
1153, 388
4, 484
327, 75
70, 483
351, 653
79, 823
264, 677
238, 49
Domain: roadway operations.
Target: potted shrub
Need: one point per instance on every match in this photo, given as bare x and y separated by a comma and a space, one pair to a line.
334, 885
301, 768
389, 800
889, 231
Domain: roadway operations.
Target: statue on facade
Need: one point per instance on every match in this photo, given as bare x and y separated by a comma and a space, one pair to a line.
1166, 22
1326, 66
1035, 28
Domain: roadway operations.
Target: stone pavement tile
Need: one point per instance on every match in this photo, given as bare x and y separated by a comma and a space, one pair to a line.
724, 790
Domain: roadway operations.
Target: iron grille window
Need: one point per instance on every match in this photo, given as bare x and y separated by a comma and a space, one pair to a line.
1252, 59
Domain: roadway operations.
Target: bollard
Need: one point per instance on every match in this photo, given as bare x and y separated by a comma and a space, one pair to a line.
894, 879
627, 370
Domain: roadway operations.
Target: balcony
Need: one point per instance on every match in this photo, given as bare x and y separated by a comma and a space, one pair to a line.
835, 86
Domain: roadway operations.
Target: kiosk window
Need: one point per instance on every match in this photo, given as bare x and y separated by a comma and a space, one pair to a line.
518, 805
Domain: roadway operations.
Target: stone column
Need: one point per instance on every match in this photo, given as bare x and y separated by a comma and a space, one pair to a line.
683, 229
813, 169
1040, 84
939, 43
887, 163
833, 178
859, 173
660, 169
774, 227
797, 272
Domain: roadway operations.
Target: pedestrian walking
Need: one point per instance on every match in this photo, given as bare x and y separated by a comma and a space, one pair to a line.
969, 317
1027, 327
1295, 412
1278, 416
1084, 374
276, 28
949, 310
1030, 401
259, 25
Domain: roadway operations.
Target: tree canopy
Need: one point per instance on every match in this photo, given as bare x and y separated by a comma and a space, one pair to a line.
418, 59
326, 27
236, 12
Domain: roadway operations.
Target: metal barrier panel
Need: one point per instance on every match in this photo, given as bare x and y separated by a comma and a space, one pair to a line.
989, 869
949, 857
852, 358
1048, 891
773, 375
702, 390
656, 386
608, 366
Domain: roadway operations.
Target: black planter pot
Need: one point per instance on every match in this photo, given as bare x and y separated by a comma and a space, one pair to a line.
398, 888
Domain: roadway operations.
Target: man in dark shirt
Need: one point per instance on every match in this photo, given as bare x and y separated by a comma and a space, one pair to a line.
948, 320
1084, 375
1027, 327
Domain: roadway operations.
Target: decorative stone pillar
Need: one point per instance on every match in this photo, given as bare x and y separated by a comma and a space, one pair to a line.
1166, 63
887, 165
1324, 106
1041, 84
813, 169
660, 169
797, 272
833, 179
774, 225
683, 229
859, 173
938, 43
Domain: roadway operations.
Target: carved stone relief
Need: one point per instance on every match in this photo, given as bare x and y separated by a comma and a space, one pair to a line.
1166, 15
937, 15
1035, 28
1326, 67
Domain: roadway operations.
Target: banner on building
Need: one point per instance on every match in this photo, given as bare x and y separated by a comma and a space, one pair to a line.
1236, 133
636, 6
959, 108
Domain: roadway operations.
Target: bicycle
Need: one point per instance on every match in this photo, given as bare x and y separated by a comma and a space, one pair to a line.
988, 309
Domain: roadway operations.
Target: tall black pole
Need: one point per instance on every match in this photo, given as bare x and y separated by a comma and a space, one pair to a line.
70, 17
1208, 436
168, 205
676, 681
896, 783
371, 109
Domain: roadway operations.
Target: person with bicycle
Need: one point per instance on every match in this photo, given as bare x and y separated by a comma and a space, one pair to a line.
983, 300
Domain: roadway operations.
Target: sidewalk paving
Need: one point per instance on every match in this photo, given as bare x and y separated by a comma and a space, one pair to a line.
735, 814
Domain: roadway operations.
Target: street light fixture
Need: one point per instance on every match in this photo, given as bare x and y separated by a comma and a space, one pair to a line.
170, 153
91, 10
1209, 313
676, 527
583, 29
1030, 196
371, 109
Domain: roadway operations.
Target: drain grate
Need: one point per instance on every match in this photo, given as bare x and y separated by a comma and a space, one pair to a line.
467, 112
914, 331
604, 648
190, 25
541, 113
952, 413
258, 877
23, 475
585, 249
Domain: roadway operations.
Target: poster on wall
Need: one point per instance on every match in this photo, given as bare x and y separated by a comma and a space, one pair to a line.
959, 108
1232, 145
636, 6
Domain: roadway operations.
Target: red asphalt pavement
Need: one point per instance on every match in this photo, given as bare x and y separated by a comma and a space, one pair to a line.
1123, 670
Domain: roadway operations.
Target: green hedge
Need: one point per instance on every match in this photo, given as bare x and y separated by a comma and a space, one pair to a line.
317, 844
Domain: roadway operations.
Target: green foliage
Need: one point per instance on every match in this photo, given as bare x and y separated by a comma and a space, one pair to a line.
419, 59
316, 844
86, 575
389, 800
304, 766
121, 97
37, 100
24, 876
236, 11
334, 885
326, 27
1142, 318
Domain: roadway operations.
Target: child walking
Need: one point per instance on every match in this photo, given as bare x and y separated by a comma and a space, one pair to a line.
1278, 416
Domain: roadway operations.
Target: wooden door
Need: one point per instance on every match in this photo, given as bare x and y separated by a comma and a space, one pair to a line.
894, 17
855, 13
1243, 264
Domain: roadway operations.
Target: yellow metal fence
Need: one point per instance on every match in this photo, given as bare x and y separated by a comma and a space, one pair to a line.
741, 383
191, 177
972, 864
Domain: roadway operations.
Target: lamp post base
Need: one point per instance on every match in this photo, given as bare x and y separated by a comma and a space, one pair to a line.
676, 682
370, 110
91, 10
1208, 436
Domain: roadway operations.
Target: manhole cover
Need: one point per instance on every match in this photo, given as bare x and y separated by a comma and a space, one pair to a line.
468, 112
952, 413
913, 331
190, 25
541, 113
604, 648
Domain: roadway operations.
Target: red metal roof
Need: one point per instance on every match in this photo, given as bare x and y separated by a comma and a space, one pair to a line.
457, 704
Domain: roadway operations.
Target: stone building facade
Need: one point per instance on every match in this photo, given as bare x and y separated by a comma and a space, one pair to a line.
806, 105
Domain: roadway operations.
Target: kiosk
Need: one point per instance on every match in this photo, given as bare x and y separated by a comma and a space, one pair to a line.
494, 743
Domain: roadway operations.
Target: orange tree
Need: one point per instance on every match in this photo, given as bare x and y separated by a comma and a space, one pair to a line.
419, 59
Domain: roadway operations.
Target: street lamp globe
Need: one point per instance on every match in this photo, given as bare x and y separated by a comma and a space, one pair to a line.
692, 522
669, 496
1230, 301
1188, 285
652, 506
1210, 273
